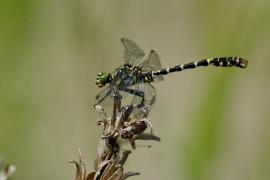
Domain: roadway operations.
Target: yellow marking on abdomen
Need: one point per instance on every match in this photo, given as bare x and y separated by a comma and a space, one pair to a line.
182, 67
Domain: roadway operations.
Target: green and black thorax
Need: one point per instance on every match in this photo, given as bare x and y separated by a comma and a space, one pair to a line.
124, 76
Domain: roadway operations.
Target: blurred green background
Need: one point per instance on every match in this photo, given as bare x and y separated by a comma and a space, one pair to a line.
214, 122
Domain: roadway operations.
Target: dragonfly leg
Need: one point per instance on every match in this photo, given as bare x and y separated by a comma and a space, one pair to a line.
136, 93
106, 95
118, 95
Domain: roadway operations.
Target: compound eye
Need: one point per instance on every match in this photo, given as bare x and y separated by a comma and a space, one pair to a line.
102, 78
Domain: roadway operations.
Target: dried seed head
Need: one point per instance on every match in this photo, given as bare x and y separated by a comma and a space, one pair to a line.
117, 130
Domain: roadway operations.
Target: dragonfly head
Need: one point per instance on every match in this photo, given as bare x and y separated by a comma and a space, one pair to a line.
102, 79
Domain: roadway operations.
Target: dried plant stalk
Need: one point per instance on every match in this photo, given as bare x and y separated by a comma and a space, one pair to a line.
7, 171
116, 130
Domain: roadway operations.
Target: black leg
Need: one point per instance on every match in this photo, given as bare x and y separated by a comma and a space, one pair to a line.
136, 93
107, 94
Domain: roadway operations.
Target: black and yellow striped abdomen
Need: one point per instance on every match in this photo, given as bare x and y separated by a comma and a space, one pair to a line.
219, 62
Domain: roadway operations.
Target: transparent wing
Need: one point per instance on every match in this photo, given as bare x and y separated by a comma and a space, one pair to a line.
132, 53
148, 90
108, 100
152, 63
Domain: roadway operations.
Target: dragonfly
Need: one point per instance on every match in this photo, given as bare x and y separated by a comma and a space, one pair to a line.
134, 78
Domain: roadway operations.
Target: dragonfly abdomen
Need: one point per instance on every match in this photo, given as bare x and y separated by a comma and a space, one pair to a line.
218, 62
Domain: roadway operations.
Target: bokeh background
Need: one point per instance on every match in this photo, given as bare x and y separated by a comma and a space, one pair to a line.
214, 122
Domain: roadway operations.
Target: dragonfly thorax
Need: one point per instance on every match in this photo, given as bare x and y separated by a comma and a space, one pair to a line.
126, 75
